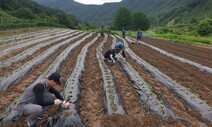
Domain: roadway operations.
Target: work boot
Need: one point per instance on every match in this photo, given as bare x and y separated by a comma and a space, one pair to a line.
41, 117
31, 122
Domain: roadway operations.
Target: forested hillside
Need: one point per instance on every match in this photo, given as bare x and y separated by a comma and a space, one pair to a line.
192, 11
27, 13
160, 11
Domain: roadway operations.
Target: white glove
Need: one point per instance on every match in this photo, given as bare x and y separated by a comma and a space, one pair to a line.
111, 57
57, 102
66, 105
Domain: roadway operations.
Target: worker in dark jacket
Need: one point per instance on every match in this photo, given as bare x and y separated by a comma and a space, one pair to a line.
110, 55
120, 45
39, 95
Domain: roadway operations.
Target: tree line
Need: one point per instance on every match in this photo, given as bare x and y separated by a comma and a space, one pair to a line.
30, 13
129, 20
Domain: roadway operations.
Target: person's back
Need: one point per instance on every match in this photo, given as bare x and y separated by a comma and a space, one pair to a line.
29, 96
120, 45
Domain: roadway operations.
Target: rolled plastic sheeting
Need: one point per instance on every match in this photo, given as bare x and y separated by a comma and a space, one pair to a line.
61, 121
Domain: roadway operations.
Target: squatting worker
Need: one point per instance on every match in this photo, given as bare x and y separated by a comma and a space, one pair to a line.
120, 45
39, 95
110, 54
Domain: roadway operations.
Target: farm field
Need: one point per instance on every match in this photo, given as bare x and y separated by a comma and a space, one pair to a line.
160, 83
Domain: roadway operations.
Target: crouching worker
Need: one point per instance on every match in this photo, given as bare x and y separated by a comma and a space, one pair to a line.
39, 95
110, 54
120, 45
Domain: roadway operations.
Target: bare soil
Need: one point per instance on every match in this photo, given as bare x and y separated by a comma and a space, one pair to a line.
91, 100
189, 76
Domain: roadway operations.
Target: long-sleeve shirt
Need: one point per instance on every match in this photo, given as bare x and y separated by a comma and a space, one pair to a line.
39, 90
35, 94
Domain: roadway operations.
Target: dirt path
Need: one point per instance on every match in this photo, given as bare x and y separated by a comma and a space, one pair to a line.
92, 107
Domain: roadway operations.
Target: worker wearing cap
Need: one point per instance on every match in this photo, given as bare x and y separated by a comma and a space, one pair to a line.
120, 45
39, 95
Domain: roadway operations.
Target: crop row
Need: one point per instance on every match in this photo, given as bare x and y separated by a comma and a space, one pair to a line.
112, 100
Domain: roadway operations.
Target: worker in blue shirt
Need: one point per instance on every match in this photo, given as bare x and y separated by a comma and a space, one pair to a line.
120, 45
139, 35
123, 32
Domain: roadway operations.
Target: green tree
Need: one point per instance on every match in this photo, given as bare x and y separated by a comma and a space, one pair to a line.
66, 21
5, 7
194, 3
194, 21
24, 13
205, 27
84, 26
123, 19
140, 21
27, 13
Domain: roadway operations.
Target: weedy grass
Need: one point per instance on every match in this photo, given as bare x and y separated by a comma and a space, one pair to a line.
188, 39
184, 38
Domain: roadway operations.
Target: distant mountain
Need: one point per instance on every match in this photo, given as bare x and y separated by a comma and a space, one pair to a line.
162, 11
